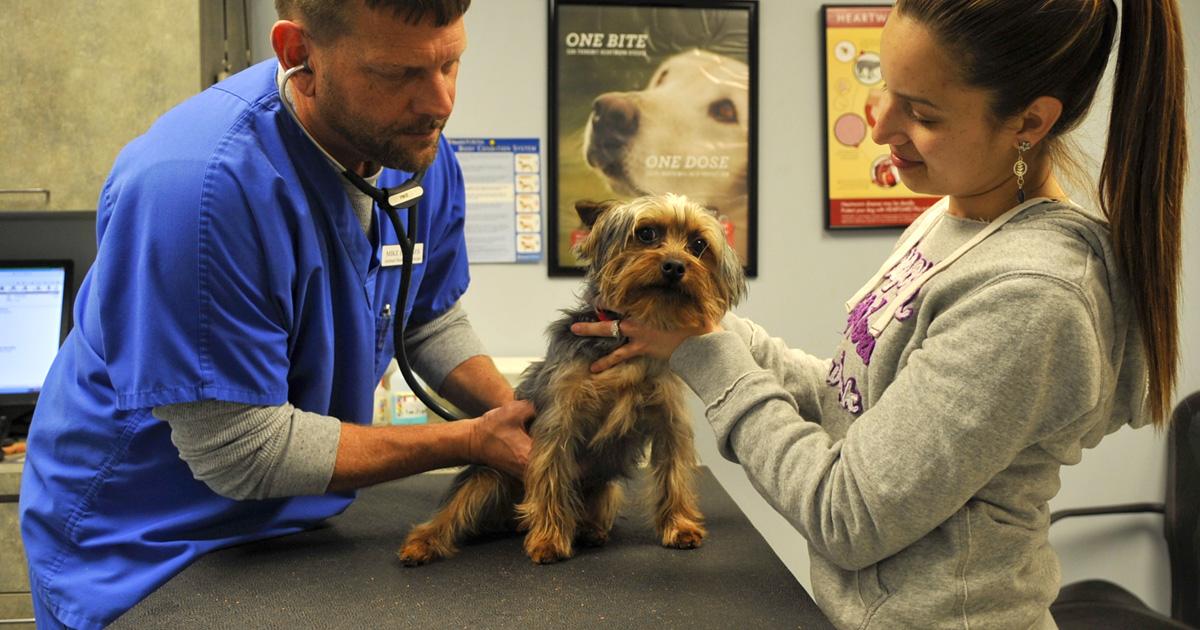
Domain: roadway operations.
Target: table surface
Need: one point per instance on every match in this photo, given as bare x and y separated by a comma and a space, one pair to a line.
345, 575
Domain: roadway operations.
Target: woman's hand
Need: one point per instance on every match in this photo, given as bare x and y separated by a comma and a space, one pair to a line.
639, 340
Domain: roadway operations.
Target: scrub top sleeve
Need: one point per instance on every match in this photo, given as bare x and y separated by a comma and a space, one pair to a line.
189, 308
447, 274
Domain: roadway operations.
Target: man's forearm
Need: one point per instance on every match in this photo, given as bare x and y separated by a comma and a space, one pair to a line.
447, 353
476, 386
371, 455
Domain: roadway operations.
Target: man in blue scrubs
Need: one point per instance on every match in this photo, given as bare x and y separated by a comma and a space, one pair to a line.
217, 387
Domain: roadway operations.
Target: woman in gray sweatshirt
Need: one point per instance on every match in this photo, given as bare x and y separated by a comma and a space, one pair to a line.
1009, 329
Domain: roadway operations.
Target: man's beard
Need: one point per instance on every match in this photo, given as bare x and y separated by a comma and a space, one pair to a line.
386, 146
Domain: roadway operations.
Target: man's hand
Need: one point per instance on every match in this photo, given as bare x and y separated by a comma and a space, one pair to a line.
499, 439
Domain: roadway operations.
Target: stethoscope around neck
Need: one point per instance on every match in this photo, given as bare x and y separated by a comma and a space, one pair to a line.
391, 201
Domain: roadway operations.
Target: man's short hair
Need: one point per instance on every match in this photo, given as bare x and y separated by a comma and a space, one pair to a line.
326, 19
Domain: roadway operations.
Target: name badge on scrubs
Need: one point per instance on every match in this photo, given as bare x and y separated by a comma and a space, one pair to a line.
393, 255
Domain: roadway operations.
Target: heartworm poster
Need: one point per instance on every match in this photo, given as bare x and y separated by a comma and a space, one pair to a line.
863, 187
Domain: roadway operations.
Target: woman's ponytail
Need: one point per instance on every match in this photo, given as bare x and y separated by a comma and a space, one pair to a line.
1141, 180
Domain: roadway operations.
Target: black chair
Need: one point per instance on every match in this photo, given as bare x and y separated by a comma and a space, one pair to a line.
1098, 604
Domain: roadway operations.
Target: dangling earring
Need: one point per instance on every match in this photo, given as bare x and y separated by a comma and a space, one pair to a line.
1020, 168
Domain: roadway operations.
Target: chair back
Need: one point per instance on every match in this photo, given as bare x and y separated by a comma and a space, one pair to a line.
1182, 523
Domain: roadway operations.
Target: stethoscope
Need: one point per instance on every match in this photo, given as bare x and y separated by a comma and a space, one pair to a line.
391, 200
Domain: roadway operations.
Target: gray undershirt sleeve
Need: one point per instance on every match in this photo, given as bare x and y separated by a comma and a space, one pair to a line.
438, 346
254, 452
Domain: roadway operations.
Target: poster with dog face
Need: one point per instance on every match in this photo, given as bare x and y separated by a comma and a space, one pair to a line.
649, 99
862, 182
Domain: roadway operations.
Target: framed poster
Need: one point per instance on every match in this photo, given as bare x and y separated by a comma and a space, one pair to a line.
862, 185
648, 97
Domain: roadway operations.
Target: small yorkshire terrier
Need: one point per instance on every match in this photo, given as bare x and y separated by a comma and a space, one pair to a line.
663, 261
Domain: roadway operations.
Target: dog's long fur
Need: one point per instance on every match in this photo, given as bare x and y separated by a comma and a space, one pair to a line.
592, 429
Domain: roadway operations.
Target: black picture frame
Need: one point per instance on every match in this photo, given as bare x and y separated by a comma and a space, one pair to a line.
613, 48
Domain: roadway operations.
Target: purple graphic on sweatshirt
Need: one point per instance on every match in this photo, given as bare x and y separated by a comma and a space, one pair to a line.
858, 324
848, 396
858, 329
912, 266
906, 309
904, 273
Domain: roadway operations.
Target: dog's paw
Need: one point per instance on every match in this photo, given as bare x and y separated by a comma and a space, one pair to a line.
591, 536
418, 550
416, 553
546, 552
683, 536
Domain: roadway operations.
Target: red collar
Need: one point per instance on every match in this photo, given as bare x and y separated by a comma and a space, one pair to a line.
606, 316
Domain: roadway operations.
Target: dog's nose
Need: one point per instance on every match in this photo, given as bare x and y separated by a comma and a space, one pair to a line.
672, 269
614, 113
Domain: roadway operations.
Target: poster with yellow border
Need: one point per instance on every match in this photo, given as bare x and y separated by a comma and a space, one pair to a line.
863, 187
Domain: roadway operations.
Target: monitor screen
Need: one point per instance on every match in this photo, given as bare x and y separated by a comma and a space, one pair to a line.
35, 299
50, 235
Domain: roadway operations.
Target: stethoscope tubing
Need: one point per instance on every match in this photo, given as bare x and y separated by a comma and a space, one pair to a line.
406, 252
406, 238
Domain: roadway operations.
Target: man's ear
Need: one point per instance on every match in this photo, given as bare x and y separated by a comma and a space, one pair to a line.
1038, 119
589, 211
292, 49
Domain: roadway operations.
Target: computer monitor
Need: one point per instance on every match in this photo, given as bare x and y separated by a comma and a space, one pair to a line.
35, 316
50, 235
39, 237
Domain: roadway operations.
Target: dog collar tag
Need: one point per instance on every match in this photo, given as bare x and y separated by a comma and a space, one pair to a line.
393, 255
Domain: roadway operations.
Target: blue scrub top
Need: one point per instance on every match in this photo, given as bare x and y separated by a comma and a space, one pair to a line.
230, 267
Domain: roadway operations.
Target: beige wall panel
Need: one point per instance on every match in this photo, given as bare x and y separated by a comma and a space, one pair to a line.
14, 576
80, 79
16, 606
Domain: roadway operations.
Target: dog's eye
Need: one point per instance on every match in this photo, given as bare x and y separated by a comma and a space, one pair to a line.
660, 78
697, 247
646, 235
723, 111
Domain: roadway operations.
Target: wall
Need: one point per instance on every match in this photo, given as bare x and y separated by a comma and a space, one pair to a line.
805, 273
79, 80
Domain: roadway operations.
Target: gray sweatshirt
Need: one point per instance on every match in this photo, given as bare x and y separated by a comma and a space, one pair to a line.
919, 460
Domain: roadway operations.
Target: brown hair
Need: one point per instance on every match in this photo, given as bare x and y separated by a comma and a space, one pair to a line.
325, 19
1019, 50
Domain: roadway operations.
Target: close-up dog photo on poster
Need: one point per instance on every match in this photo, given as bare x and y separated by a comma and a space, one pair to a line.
649, 99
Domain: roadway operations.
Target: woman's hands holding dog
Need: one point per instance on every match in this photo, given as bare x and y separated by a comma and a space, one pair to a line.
498, 438
640, 340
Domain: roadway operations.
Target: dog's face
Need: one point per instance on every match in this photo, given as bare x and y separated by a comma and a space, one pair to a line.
662, 260
691, 119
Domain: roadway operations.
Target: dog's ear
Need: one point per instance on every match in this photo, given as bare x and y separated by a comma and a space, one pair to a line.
733, 276
590, 210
